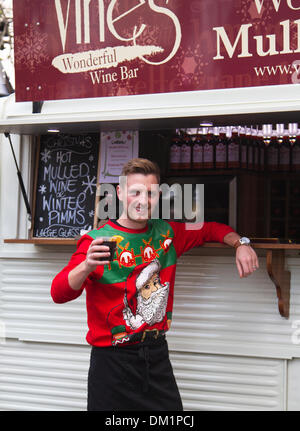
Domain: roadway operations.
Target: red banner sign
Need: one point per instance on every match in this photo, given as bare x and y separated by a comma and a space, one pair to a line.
68, 49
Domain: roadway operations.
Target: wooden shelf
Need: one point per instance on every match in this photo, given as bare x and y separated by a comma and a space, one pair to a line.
43, 241
73, 241
203, 172
266, 246
236, 171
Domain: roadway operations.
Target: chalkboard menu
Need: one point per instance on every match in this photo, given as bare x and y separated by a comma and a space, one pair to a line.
66, 181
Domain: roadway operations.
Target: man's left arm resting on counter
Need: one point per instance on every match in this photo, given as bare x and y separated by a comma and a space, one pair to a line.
192, 235
246, 258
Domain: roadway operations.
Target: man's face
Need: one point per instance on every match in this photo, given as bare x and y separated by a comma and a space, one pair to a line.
139, 195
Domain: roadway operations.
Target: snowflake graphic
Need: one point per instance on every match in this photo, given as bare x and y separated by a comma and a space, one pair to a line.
120, 88
123, 88
149, 36
91, 158
91, 213
45, 155
31, 47
90, 183
294, 36
248, 11
82, 142
190, 65
42, 189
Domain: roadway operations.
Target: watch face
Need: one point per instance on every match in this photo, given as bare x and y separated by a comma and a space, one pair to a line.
244, 240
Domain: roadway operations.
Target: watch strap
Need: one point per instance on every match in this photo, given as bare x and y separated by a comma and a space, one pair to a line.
238, 243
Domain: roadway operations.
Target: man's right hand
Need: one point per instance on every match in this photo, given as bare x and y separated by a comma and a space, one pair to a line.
96, 251
79, 274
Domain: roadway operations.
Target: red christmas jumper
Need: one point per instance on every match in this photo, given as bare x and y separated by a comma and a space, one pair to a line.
117, 295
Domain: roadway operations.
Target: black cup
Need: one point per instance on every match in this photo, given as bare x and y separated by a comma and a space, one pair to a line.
112, 248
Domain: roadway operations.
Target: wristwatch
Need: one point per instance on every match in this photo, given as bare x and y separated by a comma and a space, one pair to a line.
242, 241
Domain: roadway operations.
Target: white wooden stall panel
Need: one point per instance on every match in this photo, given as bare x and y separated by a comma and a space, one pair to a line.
27, 308
42, 376
217, 312
45, 376
214, 382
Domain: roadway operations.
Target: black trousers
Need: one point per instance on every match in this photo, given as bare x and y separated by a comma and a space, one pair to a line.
137, 378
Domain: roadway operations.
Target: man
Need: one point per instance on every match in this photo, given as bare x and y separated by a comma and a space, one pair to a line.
130, 299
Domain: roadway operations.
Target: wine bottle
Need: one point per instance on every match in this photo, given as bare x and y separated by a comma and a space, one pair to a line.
295, 156
209, 150
272, 149
244, 148
255, 149
175, 152
284, 149
186, 152
234, 150
262, 150
197, 153
221, 149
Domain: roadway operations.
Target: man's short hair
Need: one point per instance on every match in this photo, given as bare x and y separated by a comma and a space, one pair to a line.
141, 166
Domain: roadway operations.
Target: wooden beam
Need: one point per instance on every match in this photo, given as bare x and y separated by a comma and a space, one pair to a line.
281, 278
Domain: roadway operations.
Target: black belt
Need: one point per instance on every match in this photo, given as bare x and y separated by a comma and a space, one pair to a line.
147, 335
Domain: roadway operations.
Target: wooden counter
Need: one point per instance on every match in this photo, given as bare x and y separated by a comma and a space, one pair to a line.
72, 241
275, 262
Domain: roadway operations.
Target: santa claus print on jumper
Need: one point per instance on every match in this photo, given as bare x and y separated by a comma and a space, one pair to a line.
135, 291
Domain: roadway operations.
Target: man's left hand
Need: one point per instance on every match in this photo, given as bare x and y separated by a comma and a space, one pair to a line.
246, 260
